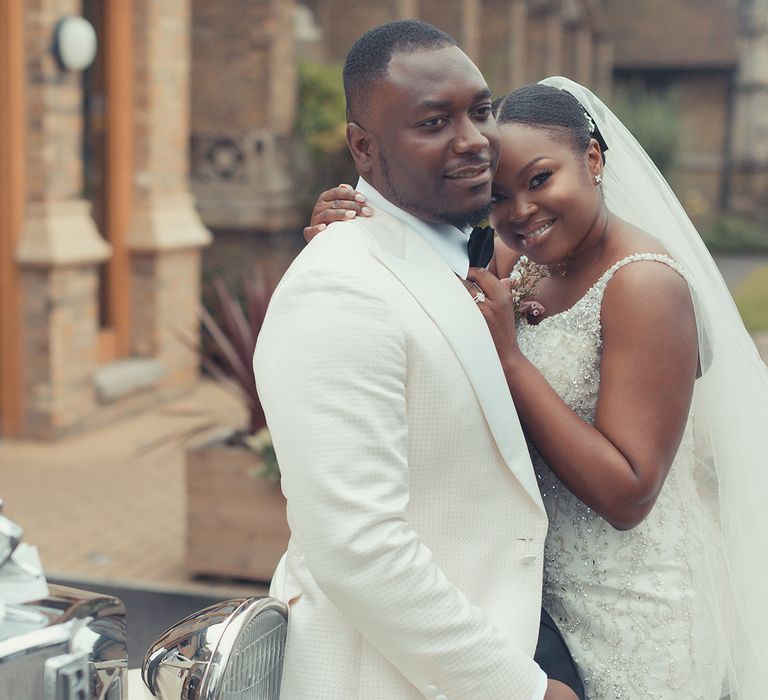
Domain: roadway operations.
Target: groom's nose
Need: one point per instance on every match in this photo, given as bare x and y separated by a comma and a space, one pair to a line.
470, 137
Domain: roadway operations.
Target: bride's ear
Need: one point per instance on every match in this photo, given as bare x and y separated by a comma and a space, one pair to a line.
594, 159
361, 146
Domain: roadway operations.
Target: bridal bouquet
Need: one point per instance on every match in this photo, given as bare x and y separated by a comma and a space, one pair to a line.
523, 279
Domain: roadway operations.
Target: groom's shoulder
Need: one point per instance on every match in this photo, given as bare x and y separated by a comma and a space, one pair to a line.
347, 245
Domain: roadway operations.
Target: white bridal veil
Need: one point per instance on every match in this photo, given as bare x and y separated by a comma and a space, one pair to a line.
730, 403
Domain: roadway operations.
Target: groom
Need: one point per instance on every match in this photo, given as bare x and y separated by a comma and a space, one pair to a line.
415, 561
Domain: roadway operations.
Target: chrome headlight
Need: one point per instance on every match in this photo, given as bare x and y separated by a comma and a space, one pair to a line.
232, 650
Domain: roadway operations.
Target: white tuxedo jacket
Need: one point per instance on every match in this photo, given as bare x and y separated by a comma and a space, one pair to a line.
415, 562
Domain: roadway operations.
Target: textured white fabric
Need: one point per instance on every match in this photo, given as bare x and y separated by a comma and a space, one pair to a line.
730, 401
417, 527
632, 606
449, 241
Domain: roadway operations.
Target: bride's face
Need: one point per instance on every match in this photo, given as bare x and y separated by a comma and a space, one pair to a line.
545, 201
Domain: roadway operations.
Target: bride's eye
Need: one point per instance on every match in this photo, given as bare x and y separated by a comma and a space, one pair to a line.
539, 179
496, 197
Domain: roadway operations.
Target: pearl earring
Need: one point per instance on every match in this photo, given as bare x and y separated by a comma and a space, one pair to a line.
598, 179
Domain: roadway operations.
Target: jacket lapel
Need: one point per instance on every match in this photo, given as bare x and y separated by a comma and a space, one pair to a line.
439, 291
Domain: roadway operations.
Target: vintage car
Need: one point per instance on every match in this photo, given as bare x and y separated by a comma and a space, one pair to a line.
73, 645
68, 645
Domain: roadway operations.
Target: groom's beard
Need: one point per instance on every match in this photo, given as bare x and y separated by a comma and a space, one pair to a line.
461, 218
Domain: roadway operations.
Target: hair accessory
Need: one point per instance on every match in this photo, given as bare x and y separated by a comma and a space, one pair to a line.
592, 127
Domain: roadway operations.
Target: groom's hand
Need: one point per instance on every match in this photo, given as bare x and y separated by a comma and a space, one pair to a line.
337, 204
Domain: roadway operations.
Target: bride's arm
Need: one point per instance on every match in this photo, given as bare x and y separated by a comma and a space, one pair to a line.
647, 371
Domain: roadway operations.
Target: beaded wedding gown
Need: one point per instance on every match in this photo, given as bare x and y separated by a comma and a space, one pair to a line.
631, 605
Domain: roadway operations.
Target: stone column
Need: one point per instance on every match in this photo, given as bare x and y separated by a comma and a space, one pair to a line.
517, 20
582, 69
60, 248
749, 186
554, 34
603, 70
244, 64
407, 9
166, 233
470, 28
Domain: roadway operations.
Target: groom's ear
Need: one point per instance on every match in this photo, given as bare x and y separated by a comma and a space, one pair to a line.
361, 146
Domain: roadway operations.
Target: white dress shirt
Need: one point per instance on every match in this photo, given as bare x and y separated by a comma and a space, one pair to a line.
450, 243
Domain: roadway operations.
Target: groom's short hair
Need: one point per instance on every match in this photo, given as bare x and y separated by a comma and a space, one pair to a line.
368, 60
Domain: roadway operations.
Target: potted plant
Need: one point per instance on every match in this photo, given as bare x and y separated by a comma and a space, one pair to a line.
236, 524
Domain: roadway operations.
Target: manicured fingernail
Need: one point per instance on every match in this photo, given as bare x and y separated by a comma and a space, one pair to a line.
349, 214
360, 197
367, 211
345, 186
321, 227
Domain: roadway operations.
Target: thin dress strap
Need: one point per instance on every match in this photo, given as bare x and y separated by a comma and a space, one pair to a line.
600, 285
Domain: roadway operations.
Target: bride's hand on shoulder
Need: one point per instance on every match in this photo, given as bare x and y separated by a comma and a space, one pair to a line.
337, 204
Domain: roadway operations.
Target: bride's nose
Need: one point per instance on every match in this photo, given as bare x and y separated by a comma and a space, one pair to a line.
521, 209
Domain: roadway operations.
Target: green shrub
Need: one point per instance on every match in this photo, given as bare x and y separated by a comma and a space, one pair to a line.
752, 300
653, 120
321, 126
734, 234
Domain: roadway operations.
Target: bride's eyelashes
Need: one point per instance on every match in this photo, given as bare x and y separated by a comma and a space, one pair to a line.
539, 179
535, 182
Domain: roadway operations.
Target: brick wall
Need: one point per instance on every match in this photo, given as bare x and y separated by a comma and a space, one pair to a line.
243, 106
61, 252
164, 319
60, 326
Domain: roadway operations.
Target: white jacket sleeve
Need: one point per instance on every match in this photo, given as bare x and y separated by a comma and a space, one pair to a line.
331, 369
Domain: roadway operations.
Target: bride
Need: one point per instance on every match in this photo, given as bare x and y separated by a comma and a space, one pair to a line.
644, 401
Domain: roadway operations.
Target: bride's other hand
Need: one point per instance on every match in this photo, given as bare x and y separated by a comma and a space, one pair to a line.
337, 204
497, 308
559, 691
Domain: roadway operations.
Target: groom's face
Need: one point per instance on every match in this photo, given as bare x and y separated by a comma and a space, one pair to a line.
434, 143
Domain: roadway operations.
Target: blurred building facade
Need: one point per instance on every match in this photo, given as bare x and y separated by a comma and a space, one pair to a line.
514, 42
711, 57
110, 178
245, 56
243, 109
99, 238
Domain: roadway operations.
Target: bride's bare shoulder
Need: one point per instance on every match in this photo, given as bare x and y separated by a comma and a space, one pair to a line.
632, 239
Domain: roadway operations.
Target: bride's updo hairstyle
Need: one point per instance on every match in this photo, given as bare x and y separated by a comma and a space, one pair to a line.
551, 109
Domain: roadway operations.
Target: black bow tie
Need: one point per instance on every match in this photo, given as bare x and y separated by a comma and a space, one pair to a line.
480, 246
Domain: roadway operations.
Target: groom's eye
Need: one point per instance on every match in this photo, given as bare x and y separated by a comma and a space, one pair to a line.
483, 111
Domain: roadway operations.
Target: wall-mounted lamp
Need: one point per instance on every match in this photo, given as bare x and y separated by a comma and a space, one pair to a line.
74, 43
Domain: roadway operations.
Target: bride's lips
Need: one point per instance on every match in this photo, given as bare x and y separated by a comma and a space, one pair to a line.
470, 175
536, 234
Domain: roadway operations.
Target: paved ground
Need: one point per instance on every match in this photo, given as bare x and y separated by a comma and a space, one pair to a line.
102, 509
